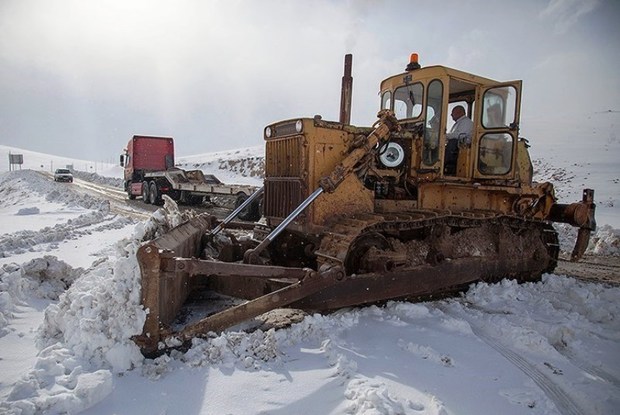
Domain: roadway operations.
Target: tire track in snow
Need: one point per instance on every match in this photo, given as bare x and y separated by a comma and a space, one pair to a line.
562, 401
587, 367
594, 371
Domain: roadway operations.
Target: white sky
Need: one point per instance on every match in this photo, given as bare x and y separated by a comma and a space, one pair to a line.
79, 77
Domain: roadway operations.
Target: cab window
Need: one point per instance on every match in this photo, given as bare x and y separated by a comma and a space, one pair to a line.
430, 147
499, 107
495, 154
408, 101
386, 101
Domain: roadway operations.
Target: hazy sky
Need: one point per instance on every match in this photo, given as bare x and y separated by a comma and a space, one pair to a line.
79, 77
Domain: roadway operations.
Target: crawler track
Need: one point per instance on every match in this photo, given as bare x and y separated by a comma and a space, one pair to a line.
385, 242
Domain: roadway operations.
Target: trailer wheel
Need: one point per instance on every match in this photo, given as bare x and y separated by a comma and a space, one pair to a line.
145, 192
251, 212
154, 197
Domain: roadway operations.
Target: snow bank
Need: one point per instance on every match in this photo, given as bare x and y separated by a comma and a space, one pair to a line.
99, 179
85, 224
16, 185
606, 241
45, 278
87, 336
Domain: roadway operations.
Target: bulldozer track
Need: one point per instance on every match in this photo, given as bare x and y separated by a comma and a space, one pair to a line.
339, 243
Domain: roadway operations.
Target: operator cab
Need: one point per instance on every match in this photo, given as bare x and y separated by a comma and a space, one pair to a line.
423, 99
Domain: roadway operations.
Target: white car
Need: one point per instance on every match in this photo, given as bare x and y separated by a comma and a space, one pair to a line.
63, 175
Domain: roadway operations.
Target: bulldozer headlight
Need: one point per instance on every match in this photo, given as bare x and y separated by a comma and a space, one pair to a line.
268, 132
299, 126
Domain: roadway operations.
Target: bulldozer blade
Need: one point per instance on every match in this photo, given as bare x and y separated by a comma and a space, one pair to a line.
164, 291
311, 284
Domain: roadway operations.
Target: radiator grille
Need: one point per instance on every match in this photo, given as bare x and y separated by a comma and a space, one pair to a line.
285, 157
282, 197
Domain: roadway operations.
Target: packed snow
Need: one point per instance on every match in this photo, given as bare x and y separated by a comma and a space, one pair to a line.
70, 304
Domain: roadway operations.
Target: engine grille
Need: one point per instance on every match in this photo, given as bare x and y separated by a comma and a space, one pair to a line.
285, 168
282, 196
285, 157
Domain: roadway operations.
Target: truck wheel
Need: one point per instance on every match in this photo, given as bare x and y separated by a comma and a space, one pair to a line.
154, 194
128, 190
145, 192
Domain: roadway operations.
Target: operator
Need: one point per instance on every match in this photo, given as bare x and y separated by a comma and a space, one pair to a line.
462, 127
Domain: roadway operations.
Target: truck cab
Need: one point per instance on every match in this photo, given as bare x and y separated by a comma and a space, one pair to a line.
142, 155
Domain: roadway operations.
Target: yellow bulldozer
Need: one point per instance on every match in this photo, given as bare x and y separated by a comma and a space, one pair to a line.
404, 209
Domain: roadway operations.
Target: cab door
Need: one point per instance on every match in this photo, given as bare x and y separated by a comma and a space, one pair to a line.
497, 119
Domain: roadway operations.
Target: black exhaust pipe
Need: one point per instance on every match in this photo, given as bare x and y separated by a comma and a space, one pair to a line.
347, 91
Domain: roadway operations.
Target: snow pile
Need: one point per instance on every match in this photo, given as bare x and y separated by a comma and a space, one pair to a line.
44, 278
87, 335
99, 179
61, 385
604, 241
250, 350
18, 185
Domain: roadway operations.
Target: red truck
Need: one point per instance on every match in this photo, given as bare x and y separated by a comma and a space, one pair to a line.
150, 173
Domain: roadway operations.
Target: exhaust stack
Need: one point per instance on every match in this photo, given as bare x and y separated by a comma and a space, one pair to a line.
346, 91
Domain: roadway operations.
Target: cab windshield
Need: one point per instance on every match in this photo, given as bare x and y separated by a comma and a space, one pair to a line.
406, 101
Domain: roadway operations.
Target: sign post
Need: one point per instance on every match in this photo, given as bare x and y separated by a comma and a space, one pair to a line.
15, 160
